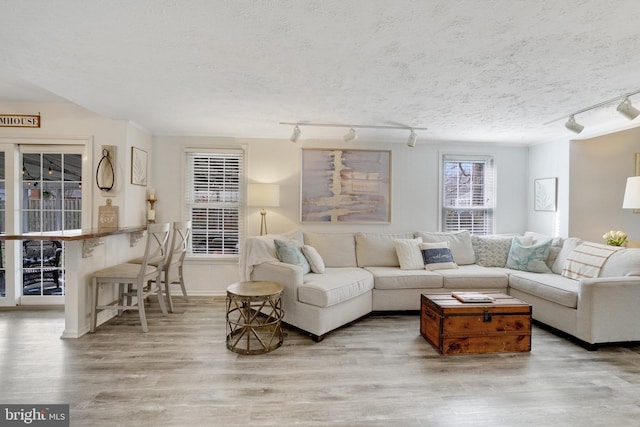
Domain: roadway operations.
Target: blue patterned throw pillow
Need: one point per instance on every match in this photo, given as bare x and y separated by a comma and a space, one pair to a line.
529, 257
291, 253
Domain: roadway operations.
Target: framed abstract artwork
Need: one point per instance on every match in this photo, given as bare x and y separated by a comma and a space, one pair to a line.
138, 166
545, 194
342, 185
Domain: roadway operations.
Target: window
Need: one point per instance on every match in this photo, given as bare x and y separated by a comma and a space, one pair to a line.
467, 193
214, 201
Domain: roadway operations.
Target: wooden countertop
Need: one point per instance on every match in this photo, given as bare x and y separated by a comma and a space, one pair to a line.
70, 235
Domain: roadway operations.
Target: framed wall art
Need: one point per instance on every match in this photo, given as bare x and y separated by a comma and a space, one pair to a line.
138, 166
545, 194
341, 185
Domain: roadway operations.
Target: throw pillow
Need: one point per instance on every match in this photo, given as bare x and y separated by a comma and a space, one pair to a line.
409, 254
459, 243
437, 256
313, 257
567, 247
529, 257
290, 253
492, 251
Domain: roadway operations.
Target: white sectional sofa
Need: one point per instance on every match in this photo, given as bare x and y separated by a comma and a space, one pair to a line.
362, 274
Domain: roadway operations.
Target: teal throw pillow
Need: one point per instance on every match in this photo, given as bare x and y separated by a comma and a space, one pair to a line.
291, 253
529, 257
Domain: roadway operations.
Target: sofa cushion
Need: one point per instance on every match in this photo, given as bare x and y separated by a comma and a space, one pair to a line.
549, 286
567, 247
531, 257
437, 256
395, 278
378, 250
625, 262
290, 252
334, 286
315, 260
409, 254
336, 249
473, 277
459, 243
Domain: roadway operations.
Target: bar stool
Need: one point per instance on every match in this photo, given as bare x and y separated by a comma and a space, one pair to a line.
172, 264
139, 280
254, 317
172, 268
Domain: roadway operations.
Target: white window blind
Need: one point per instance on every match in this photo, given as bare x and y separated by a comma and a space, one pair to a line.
214, 201
467, 194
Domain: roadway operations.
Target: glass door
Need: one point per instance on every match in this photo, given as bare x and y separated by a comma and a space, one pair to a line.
51, 200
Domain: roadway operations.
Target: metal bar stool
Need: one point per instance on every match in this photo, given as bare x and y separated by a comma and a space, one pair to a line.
254, 317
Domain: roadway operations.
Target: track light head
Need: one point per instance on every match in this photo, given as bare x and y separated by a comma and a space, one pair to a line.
352, 135
628, 110
573, 126
411, 142
295, 135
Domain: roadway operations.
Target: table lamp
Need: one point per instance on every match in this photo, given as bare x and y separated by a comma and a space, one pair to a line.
632, 193
263, 196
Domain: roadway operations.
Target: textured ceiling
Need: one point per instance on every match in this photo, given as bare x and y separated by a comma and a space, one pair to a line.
471, 70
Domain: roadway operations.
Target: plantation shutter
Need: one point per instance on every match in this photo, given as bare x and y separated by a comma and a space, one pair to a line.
468, 194
215, 201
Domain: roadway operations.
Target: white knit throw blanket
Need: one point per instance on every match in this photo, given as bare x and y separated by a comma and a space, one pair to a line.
586, 260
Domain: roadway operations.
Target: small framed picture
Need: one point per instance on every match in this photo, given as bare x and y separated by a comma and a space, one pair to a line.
545, 194
138, 166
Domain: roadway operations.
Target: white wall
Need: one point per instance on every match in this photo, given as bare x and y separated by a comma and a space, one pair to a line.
550, 160
68, 122
599, 168
415, 181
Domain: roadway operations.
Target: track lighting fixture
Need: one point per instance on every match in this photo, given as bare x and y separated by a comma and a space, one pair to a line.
624, 108
295, 135
628, 110
411, 142
573, 126
352, 135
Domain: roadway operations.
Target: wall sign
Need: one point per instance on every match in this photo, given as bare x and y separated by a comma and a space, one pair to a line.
19, 121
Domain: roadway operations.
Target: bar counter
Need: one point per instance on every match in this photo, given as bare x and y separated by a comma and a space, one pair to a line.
79, 263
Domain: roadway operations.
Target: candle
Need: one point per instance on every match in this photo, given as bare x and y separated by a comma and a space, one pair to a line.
152, 194
151, 215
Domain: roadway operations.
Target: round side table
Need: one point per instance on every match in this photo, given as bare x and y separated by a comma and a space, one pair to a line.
254, 317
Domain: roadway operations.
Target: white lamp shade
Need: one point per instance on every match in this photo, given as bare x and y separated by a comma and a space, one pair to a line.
632, 193
263, 195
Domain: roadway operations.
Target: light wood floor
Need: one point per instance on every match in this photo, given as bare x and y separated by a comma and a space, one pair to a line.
378, 371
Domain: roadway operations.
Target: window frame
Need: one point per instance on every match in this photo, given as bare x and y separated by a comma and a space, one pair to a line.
240, 203
489, 187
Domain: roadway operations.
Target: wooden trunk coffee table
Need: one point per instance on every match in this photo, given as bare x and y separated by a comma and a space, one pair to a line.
454, 327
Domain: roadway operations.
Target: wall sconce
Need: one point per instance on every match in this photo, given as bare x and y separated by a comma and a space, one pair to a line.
263, 196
